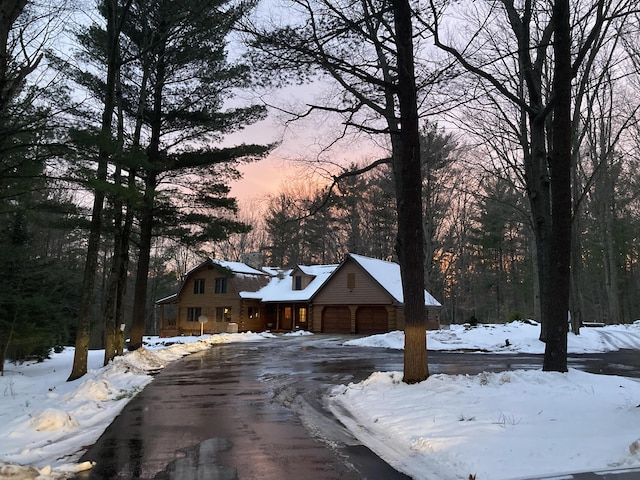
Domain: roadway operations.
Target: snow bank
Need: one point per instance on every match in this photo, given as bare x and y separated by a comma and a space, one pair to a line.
514, 337
46, 421
496, 425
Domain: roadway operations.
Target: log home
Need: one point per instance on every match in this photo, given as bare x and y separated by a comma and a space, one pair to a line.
214, 297
361, 295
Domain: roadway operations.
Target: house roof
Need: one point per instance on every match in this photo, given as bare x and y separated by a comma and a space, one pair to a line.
235, 267
387, 274
280, 288
244, 277
250, 282
173, 298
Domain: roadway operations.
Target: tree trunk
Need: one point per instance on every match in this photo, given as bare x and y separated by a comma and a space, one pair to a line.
609, 254
538, 194
112, 291
91, 263
146, 213
407, 175
555, 354
142, 272
93, 245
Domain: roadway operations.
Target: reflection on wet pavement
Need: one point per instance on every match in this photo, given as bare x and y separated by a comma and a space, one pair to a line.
200, 463
256, 411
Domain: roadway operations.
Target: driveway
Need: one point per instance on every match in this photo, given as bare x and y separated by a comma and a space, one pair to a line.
256, 411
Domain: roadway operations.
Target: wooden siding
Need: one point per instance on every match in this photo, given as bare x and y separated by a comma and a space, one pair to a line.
287, 316
350, 287
432, 316
210, 302
365, 292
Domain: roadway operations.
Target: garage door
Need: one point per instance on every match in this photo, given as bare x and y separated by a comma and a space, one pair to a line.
336, 320
372, 320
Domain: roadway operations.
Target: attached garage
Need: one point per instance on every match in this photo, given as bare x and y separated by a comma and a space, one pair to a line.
370, 320
336, 320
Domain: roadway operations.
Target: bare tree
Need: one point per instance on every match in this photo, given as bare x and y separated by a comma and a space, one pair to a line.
536, 79
367, 49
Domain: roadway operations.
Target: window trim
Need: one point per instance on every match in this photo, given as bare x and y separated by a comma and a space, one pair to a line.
193, 313
220, 285
223, 314
198, 286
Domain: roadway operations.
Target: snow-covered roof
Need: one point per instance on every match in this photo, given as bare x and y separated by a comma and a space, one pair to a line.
244, 275
280, 288
387, 274
168, 299
238, 267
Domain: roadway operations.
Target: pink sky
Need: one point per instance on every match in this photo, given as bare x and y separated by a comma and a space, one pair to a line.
260, 179
301, 142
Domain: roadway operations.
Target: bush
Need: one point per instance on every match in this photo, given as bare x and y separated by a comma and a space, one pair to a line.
513, 316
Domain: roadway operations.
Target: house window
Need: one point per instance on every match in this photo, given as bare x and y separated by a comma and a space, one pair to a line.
193, 313
254, 312
302, 315
297, 285
351, 281
221, 285
222, 314
198, 286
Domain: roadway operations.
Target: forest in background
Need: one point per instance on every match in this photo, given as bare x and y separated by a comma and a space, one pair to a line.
130, 122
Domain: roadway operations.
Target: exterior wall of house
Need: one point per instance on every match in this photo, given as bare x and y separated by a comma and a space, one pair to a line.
432, 314
168, 316
353, 288
363, 291
252, 316
220, 308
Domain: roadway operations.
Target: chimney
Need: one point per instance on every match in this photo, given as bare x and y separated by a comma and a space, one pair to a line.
253, 259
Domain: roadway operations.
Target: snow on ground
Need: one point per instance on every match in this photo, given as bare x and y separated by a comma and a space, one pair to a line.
496, 425
45, 421
514, 337
515, 424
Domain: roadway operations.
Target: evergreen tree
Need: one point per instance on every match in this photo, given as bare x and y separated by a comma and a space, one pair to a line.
181, 50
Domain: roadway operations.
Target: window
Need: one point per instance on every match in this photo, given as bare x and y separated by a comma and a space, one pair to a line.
297, 285
198, 286
193, 313
221, 285
302, 315
222, 314
351, 281
254, 312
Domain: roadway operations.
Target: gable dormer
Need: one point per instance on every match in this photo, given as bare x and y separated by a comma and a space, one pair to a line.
300, 278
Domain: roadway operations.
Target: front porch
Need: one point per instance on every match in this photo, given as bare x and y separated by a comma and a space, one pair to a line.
287, 317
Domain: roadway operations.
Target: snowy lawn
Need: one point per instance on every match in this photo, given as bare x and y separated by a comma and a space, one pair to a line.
498, 426
47, 422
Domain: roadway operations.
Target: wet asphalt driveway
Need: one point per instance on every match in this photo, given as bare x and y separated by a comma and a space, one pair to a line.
255, 411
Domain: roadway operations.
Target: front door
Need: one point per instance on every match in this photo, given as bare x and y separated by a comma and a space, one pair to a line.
286, 320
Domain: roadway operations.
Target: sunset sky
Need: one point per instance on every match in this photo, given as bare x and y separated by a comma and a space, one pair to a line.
299, 153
